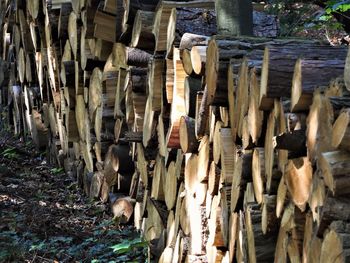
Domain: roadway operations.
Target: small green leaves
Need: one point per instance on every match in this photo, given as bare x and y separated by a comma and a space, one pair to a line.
129, 245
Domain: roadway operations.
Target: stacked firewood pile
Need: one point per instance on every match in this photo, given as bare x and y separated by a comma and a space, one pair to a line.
225, 149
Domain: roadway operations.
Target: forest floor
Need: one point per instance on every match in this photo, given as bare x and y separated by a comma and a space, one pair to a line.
44, 217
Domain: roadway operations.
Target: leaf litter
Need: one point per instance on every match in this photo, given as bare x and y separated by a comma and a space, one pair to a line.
44, 217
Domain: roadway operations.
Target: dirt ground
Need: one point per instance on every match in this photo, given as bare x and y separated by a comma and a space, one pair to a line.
44, 217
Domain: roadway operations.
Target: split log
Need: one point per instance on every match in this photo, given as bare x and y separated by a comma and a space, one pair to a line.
298, 177
335, 245
319, 127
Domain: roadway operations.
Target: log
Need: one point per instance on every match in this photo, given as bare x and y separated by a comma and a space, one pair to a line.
341, 132
124, 56
335, 246
335, 170
104, 26
178, 102
298, 177
188, 140
203, 22
319, 127
122, 209
277, 73
192, 87
304, 83
142, 36
347, 71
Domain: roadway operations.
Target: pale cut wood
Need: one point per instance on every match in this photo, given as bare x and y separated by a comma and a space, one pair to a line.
258, 173
178, 108
298, 177
188, 140
228, 155
255, 116
315, 250
139, 102
122, 209
318, 195
161, 137
142, 36
21, 65
148, 123
241, 249
72, 33
281, 197
198, 59
33, 8
236, 182
80, 112
341, 131
214, 179
308, 235
319, 127
184, 216
232, 235
95, 93
191, 178
121, 84
250, 237
159, 178
170, 186
155, 83
154, 224
203, 159
141, 164
242, 100
218, 218
170, 225
169, 80
269, 154
199, 227
331, 250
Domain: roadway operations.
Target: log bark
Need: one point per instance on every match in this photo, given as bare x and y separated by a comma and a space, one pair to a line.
304, 83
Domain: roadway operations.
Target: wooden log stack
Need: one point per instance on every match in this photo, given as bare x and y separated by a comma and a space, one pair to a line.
220, 149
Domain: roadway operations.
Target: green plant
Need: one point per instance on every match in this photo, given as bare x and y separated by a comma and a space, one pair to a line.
10, 153
57, 171
129, 245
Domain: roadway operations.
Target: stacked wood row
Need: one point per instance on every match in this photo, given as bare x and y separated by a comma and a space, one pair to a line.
217, 148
